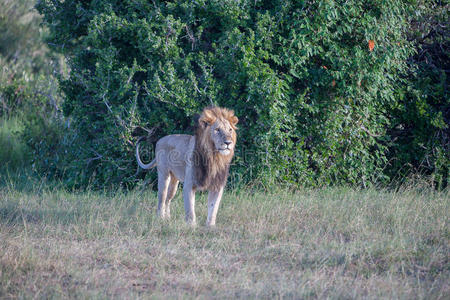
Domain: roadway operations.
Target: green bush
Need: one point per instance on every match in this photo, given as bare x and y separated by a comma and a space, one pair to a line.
314, 98
30, 111
13, 151
23, 55
13, 97
32, 128
418, 134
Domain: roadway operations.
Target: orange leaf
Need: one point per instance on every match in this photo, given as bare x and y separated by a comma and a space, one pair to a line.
325, 67
333, 83
371, 45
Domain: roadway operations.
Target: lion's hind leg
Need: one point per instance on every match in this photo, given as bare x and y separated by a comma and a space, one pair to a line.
163, 185
173, 186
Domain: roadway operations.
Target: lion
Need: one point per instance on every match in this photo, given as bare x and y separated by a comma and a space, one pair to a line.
201, 161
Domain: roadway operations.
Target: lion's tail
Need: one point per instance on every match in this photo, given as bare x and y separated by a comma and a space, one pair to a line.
150, 165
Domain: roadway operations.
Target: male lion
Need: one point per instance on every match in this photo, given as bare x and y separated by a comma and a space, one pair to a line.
201, 162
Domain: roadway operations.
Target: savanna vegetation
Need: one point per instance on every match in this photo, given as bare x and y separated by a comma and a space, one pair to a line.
339, 187
324, 243
328, 92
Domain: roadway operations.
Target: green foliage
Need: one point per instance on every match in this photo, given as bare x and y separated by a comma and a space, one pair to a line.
29, 98
420, 118
314, 101
20, 33
14, 96
13, 151
50, 139
23, 55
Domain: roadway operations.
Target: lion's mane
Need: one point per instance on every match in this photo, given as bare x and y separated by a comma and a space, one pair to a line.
211, 168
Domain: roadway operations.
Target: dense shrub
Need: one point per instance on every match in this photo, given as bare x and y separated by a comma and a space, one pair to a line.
13, 96
13, 151
420, 118
24, 57
30, 111
313, 82
20, 35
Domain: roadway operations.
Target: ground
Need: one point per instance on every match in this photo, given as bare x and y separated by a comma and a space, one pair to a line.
323, 243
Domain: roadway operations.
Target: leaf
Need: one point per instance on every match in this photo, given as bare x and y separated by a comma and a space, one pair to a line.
371, 45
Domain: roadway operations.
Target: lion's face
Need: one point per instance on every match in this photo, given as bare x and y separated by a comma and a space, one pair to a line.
223, 136
218, 125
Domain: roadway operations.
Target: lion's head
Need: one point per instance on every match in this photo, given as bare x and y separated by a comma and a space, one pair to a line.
217, 126
214, 147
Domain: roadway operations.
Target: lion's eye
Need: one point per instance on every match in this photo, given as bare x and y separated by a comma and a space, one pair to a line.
231, 130
216, 130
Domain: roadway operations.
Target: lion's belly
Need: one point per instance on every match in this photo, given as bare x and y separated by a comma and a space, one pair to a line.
178, 172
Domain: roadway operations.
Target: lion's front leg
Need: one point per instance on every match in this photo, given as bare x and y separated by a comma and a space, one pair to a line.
214, 198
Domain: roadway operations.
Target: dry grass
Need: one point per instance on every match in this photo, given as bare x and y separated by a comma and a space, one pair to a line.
331, 243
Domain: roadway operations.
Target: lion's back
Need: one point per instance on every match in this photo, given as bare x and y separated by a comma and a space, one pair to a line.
179, 143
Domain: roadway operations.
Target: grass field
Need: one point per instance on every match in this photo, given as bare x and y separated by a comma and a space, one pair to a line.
329, 243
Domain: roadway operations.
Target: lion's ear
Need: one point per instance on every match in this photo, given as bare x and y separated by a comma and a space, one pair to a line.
234, 120
207, 118
204, 122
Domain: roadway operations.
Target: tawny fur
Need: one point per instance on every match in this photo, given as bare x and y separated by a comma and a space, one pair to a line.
201, 162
